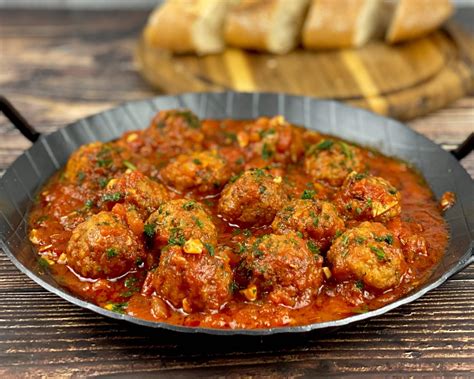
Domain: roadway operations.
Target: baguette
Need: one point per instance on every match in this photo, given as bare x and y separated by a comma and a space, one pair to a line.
266, 25
187, 26
415, 18
340, 23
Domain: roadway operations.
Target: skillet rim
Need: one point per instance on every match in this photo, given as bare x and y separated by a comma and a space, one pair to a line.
465, 259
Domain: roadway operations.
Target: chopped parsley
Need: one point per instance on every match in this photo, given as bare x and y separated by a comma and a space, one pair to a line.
130, 282
230, 136
188, 206
104, 162
240, 161
198, 222
149, 230
267, 153
359, 240
259, 172
234, 177
116, 196
197, 162
264, 133
233, 287
308, 194
388, 239
111, 252
43, 263
346, 150
359, 284
313, 247
209, 248
247, 232
176, 237
88, 204
80, 177
41, 219
118, 307
190, 119
240, 248
324, 144
378, 252
103, 182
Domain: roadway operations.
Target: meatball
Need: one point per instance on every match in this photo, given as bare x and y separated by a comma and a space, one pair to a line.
136, 190
205, 172
315, 219
366, 197
103, 247
178, 221
195, 281
253, 198
173, 132
370, 253
272, 140
331, 161
95, 162
283, 268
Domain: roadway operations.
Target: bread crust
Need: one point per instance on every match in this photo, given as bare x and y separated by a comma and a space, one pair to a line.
248, 23
332, 23
174, 26
415, 18
251, 24
169, 28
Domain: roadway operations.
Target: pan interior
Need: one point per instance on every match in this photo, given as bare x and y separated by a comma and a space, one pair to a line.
443, 173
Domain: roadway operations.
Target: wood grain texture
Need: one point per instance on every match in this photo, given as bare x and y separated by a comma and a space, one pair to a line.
59, 66
402, 81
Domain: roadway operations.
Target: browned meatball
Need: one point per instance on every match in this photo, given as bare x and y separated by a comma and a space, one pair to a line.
198, 280
103, 247
370, 253
331, 161
254, 198
315, 219
176, 131
178, 221
205, 172
137, 190
272, 140
366, 197
283, 268
95, 163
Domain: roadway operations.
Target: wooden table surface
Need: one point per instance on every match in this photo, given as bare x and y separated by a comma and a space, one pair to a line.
58, 66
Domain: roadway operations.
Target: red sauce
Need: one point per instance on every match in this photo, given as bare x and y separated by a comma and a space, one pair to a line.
65, 202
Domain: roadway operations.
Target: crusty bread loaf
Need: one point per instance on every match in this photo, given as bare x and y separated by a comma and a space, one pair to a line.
415, 18
268, 25
188, 26
205, 26
340, 23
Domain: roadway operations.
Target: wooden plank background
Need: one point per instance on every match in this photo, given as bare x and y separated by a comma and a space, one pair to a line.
58, 66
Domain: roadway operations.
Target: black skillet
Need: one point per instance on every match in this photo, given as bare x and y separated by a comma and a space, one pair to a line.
50, 152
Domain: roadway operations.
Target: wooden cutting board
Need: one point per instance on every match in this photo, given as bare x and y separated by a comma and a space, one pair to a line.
402, 81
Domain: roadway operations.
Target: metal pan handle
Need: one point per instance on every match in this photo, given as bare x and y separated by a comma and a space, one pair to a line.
18, 120
464, 148
459, 153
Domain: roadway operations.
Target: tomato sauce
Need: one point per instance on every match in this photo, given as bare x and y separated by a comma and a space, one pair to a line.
64, 203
